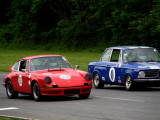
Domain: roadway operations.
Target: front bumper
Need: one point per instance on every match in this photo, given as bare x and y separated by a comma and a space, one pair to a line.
65, 91
148, 82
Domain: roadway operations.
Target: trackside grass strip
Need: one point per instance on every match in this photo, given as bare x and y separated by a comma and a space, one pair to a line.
9, 57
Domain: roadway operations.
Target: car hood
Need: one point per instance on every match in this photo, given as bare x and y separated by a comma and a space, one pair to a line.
65, 77
144, 65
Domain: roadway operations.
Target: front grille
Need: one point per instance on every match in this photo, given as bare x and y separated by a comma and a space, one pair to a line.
151, 73
86, 90
86, 84
54, 86
72, 91
52, 92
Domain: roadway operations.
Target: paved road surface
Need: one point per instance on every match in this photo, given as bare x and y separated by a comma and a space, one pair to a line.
110, 103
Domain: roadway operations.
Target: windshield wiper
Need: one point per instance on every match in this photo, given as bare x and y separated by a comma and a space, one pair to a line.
132, 61
151, 61
55, 69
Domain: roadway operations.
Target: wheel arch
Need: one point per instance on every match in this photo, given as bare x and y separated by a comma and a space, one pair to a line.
32, 83
7, 79
95, 72
127, 74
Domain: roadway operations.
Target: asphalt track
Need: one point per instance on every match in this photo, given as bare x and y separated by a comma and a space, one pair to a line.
110, 103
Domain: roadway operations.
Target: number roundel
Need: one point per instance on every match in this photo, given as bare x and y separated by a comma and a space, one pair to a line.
112, 74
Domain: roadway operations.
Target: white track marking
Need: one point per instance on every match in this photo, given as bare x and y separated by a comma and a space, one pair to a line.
120, 99
6, 116
9, 108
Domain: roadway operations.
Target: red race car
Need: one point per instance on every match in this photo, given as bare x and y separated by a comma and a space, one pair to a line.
46, 75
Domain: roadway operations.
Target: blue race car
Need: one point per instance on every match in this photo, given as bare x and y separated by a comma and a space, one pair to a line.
127, 65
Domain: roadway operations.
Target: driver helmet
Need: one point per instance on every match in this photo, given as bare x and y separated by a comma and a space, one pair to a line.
141, 55
52, 62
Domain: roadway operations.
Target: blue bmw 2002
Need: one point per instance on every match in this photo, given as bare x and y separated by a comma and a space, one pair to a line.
128, 66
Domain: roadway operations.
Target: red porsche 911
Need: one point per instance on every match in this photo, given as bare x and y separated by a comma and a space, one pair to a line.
46, 75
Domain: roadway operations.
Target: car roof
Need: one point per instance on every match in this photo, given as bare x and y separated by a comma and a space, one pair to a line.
128, 47
36, 56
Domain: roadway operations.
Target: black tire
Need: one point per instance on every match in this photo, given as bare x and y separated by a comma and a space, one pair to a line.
97, 82
84, 96
10, 90
36, 92
129, 83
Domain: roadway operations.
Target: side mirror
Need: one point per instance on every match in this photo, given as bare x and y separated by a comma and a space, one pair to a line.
77, 66
10, 68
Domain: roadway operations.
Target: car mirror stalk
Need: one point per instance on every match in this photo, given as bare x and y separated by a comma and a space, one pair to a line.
77, 66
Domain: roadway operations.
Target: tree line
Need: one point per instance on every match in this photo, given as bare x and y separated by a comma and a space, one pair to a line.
79, 24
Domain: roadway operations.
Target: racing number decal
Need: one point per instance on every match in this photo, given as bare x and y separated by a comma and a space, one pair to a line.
65, 77
20, 80
112, 74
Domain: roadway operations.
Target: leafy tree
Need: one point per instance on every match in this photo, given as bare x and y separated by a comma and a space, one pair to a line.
79, 24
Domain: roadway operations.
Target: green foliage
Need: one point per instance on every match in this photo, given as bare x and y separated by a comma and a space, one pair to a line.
78, 24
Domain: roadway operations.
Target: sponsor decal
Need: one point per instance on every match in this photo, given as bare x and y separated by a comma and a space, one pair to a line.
20, 80
66, 77
119, 81
112, 74
29, 82
103, 78
29, 76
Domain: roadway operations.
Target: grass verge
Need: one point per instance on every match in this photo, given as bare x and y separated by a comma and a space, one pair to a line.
9, 57
9, 119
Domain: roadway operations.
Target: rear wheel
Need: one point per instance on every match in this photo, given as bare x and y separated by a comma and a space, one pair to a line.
97, 82
129, 84
84, 96
36, 92
10, 91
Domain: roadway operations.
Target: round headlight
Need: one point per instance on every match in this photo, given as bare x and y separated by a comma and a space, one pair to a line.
141, 74
88, 77
48, 80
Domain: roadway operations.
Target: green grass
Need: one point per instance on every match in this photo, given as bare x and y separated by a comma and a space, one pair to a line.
9, 119
9, 57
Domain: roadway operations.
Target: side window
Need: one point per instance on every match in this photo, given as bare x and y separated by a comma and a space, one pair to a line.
16, 66
23, 65
115, 56
106, 56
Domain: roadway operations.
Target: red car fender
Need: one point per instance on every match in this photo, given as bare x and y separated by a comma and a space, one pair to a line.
39, 79
6, 78
82, 73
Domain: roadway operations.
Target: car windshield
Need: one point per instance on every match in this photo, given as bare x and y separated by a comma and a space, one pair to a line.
141, 55
50, 63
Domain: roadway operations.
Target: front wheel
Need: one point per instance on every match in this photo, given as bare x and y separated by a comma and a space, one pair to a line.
129, 83
36, 92
96, 81
10, 91
84, 96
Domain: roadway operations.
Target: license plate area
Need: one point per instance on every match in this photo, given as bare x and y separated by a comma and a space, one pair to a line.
72, 91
